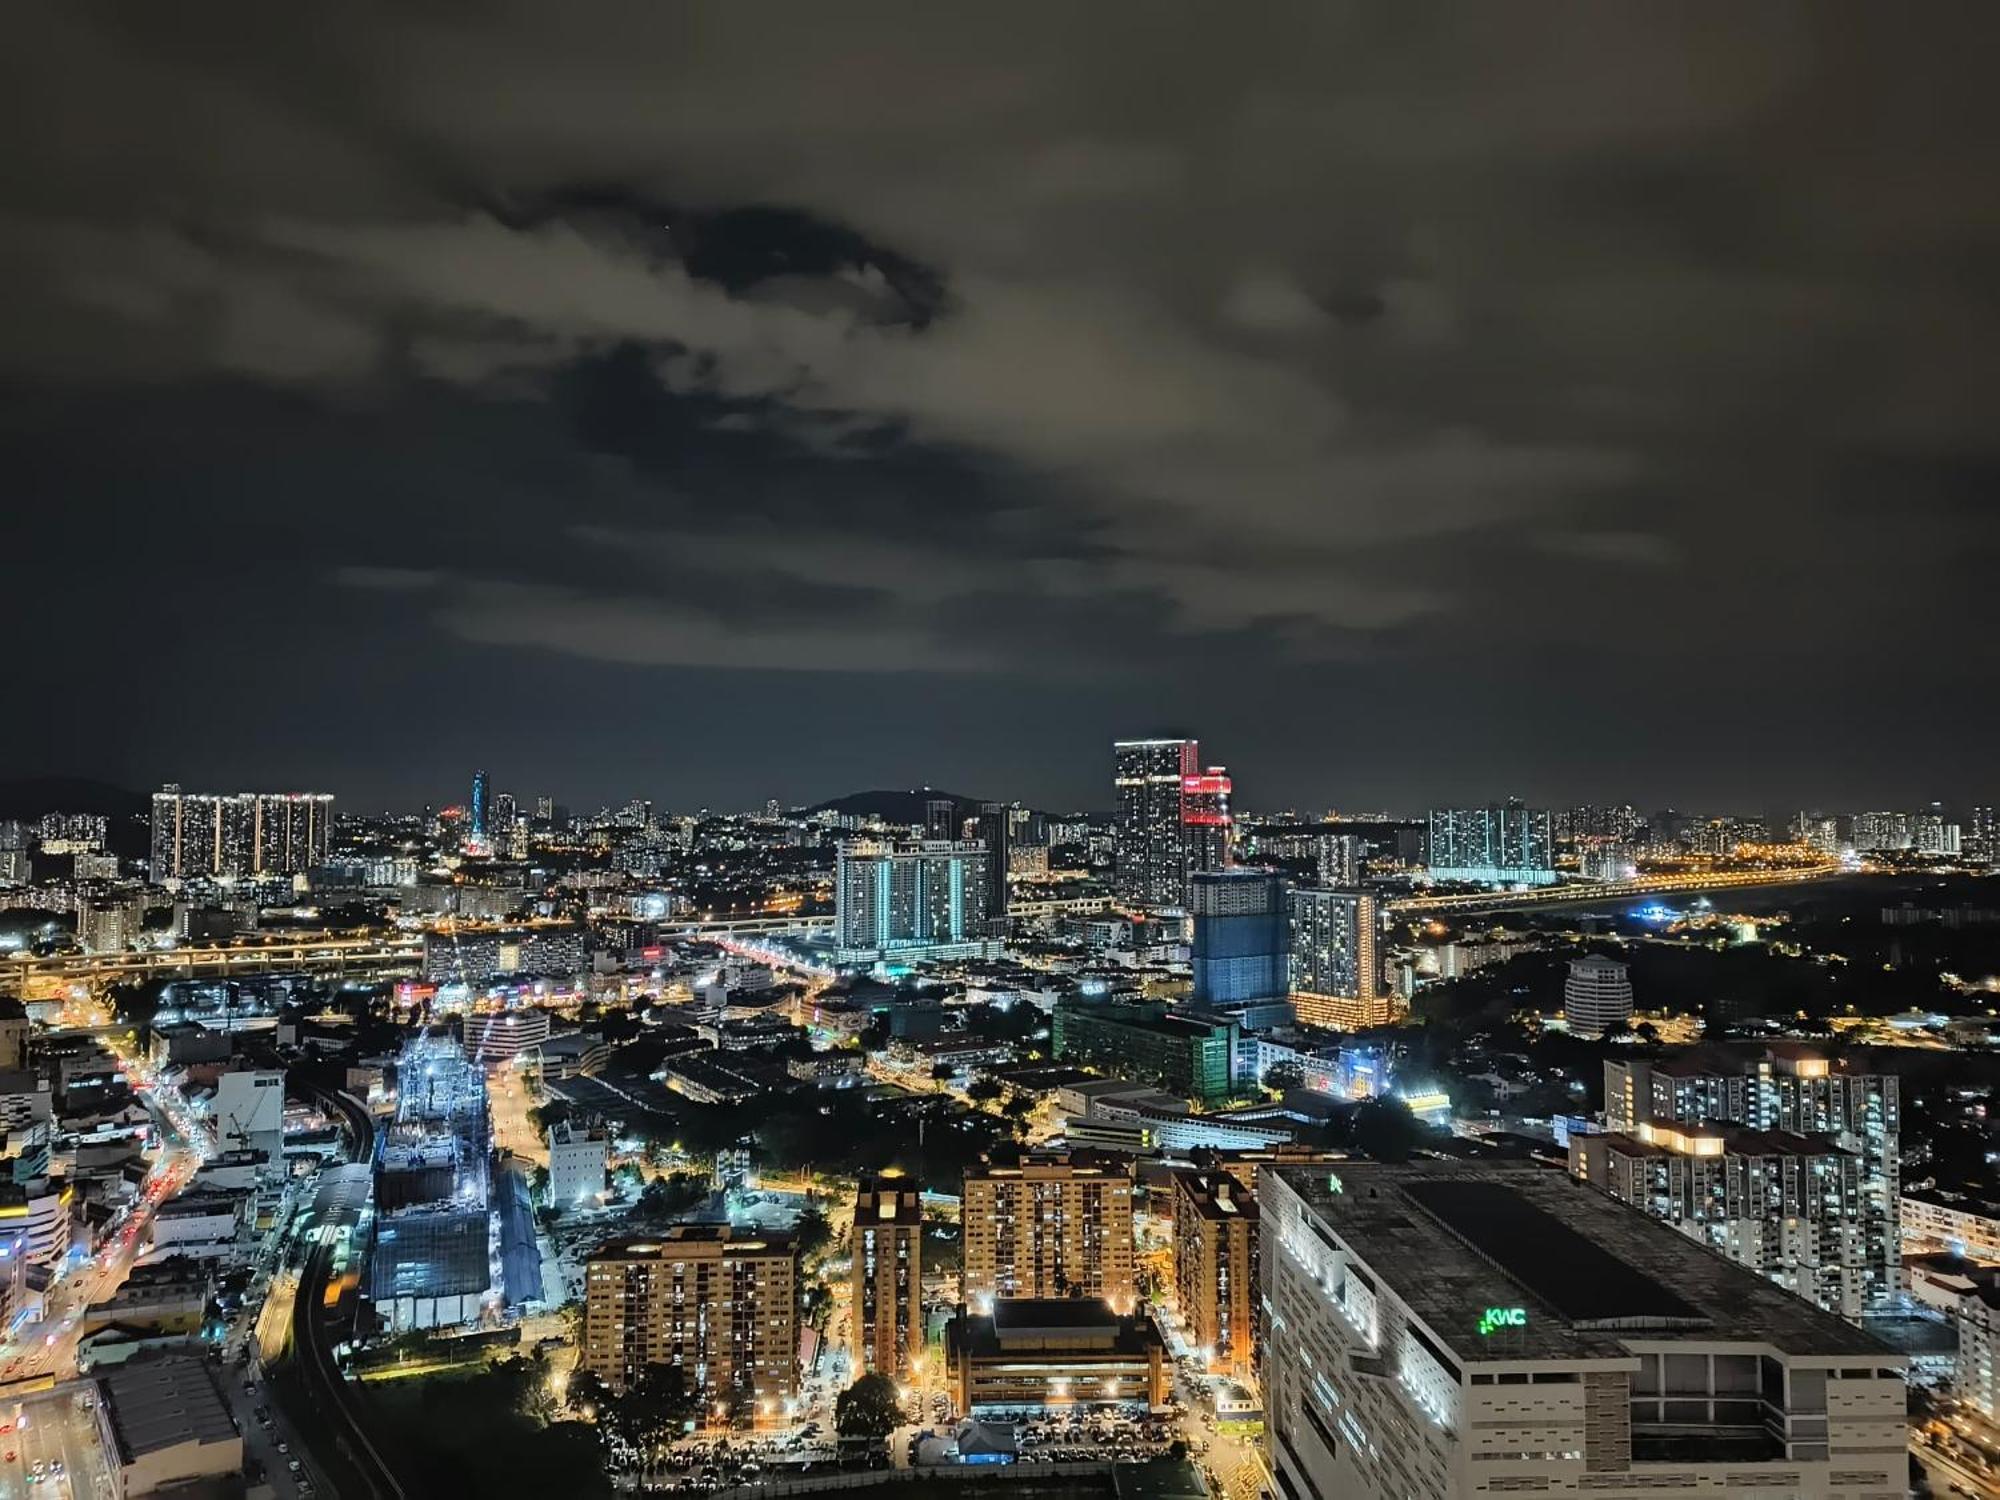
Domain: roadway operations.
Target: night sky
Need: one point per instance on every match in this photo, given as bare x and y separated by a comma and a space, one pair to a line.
732, 401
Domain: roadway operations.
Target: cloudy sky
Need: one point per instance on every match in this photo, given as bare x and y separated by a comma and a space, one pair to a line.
725, 401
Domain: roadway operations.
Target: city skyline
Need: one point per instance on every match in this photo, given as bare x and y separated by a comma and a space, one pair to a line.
1419, 408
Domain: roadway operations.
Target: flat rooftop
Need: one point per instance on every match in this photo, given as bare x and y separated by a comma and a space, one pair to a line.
160, 1404
1076, 1324
1453, 1240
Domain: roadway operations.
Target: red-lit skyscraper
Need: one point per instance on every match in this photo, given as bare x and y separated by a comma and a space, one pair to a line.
1205, 817
1173, 819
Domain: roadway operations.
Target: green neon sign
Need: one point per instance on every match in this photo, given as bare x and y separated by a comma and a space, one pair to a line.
1334, 1184
1495, 1318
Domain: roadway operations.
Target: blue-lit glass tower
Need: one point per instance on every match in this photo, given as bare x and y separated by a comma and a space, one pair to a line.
479, 804
1242, 941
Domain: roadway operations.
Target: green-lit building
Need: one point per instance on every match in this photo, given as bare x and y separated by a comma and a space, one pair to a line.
1192, 1056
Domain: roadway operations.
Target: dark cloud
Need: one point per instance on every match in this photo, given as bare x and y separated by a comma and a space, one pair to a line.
1417, 400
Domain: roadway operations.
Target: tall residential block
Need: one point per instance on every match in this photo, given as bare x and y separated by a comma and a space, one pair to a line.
886, 1318
199, 835
1049, 1224
1152, 843
912, 899
1241, 941
720, 1304
1792, 1089
1446, 1330
1336, 975
1786, 1206
1503, 843
1215, 1269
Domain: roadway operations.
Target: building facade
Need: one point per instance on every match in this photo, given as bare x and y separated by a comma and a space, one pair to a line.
1500, 844
1597, 995
1055, 1353
1336, 974
719, 1306
1215, 1269
1439, 1330
912, 899
1791, 1089
1788, 1207
1961, 1226
1049, 1224
576, 1165
1188, 1055
886, 1307
1241, 947
229, 835
1149, 777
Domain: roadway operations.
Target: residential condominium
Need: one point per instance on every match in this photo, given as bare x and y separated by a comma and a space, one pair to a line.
886, 1279
1215, 1269
1786, 1206
911, 899
1792, 1089
1336, 975
1049, 1224
237, 834
719, 1305
1948, 1221
1438, 1330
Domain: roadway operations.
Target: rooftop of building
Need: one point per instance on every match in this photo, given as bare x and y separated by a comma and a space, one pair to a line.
1214, 1194
1672, 1138
1147, 1016
1585, 1271
889, 1200
680, 1239
1018, 1322
198, 1202
571, 1044
1081, 1162
159, 1404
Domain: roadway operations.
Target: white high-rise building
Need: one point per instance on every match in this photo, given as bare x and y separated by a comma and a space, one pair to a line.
1597, 995
576, 1165
249, 1113
1437, 1330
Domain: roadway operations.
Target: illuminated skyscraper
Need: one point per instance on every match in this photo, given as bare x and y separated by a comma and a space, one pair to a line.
1152, 840
912, 899
1241, 948
996, 832
206, 836
477, 829
1205, 820
1336, 976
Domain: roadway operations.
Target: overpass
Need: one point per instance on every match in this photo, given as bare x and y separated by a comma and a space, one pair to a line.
1608, 890
372, 955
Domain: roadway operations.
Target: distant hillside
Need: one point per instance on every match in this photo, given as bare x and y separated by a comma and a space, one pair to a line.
896, 807
30, 797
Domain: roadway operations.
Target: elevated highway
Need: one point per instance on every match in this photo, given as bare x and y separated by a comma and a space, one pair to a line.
1585, 893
